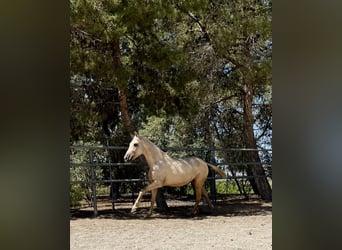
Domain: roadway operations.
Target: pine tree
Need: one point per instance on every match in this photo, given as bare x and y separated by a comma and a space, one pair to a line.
203, 68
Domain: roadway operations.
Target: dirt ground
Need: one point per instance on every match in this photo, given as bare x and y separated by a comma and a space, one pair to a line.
234, 224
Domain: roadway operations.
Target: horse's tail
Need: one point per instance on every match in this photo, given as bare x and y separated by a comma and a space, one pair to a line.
218, 170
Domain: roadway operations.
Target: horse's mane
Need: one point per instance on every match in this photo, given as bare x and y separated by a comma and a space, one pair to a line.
152, 144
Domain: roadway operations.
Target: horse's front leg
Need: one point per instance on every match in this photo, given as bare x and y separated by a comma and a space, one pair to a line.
153, 200
137, 201
154, 185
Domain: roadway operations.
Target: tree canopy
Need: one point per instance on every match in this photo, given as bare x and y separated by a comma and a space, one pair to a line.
185, 73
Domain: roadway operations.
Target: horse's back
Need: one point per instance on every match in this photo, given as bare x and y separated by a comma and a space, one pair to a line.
183, 171
194, 161
190, 163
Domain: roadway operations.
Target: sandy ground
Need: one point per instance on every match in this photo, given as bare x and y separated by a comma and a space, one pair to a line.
233, 225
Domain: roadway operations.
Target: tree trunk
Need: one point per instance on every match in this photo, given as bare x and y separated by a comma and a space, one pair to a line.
252, 181
258, 172
129, 125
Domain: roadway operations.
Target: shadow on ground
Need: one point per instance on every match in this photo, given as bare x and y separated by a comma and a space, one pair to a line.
227, 208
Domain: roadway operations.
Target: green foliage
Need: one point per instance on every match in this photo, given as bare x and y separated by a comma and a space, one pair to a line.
230, 187
76, 195
222, 187
79, 192
185, 66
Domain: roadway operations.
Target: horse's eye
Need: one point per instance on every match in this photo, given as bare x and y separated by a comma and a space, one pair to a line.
135, 144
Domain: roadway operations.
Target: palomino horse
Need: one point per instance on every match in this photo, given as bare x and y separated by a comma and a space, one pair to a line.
165, 171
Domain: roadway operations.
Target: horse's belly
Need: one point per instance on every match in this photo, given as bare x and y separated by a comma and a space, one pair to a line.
177, 181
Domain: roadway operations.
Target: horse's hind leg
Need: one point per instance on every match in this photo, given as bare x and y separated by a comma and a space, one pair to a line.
205, 194
198, 189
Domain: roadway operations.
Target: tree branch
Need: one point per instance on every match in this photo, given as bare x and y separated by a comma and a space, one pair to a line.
266, 127
206, 34
221, 100
196, 20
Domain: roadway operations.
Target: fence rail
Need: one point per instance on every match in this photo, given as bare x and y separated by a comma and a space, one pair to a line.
173, 148
105, 162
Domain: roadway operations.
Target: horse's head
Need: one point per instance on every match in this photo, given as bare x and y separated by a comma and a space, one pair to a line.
134, 150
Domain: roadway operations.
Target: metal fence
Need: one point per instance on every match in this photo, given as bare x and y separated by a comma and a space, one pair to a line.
109, 157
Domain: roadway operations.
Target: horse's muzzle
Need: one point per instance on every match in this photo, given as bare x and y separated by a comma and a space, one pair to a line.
127, 157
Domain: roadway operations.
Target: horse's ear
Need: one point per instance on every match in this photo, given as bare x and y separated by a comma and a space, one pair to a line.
134, 134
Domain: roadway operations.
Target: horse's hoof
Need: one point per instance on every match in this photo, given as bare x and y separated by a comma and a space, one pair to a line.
133, 211
194, 213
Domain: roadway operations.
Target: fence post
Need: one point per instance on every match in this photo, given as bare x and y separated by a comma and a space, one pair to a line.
93, 183
111, 177
213, 182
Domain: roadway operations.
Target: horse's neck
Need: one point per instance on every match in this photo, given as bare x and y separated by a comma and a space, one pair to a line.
153, 154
